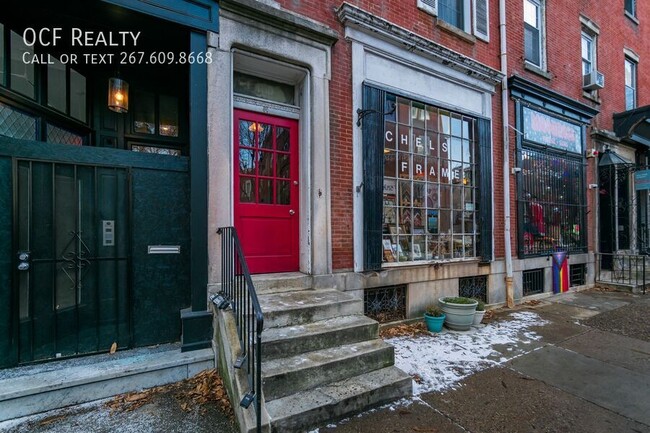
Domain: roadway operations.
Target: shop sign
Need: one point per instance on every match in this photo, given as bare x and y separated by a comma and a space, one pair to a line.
642, 180
551, 131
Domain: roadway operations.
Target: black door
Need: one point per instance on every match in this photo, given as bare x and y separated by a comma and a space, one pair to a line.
71, 225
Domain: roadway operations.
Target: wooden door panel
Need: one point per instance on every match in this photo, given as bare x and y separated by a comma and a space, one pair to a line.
267, 191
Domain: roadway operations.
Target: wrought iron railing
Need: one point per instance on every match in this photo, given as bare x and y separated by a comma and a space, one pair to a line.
238, 292
624, 269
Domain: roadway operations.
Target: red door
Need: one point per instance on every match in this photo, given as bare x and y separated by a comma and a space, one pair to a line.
266, 191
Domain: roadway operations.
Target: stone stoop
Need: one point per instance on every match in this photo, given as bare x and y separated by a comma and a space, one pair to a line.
322, 360
42, 387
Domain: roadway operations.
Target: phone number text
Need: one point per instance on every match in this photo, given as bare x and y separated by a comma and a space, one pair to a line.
164, 58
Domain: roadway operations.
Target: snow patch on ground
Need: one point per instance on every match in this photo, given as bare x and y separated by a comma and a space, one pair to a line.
442, 360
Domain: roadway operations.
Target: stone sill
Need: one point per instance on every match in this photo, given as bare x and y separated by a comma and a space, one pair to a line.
632, 18
592, 96
536, 70
455, 31
413, 264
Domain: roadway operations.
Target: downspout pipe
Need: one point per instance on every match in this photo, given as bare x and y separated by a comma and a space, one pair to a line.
505, 115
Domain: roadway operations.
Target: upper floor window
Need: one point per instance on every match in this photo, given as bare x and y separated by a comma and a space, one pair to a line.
533, 32
461, 14
630, 84
453, 12
630, 7
588, 54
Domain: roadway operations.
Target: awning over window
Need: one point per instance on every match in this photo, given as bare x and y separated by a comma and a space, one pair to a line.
634, 125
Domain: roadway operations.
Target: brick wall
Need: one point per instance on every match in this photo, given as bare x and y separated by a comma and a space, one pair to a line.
564, 65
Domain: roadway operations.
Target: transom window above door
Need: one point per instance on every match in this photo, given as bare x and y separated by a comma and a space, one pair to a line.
262, 88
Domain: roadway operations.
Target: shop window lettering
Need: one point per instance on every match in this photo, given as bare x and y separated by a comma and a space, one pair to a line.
429, 187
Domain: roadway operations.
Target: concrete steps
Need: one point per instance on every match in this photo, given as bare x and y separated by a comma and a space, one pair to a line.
284, 376
281, 282
303, 410
293, 340
42, 387
323, 360
306, 306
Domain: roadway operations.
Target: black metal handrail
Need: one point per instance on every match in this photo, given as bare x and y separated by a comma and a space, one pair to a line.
238, 292
624, 269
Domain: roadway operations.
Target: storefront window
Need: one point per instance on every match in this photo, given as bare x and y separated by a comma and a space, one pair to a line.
429, 192
551, 190
551, 203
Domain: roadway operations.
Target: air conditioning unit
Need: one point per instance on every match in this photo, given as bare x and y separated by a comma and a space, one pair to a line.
593, 80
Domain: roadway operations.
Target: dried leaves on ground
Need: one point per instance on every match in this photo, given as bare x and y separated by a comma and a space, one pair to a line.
196, 392
532, 303
404, 330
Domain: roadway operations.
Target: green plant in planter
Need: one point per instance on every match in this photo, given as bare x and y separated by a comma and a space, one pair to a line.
459, 312
434, 317
459, 300
480, 312
435, 311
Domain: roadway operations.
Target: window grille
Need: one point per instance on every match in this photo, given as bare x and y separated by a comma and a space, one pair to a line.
385, 304
533, 281
473, 287
577, 274
551, 203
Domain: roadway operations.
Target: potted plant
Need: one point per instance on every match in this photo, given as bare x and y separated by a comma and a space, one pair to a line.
459, 311
434, 318
479, 313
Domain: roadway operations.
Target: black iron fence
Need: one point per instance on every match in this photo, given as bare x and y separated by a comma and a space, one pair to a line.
623, 269
238, 292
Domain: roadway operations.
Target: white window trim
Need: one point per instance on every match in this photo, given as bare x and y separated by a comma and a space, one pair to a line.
428, 8
542, 36
594, 49
634, 12
591, 26
631, 55
467, 17
635, 83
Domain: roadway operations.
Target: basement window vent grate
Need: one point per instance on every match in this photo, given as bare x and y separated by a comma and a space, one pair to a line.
533, 281
578, 274
473, 287
385, 304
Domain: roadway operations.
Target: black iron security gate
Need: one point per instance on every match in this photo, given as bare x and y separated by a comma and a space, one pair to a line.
71, 232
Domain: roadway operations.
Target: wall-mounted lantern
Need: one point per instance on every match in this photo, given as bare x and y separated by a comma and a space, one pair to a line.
118, 95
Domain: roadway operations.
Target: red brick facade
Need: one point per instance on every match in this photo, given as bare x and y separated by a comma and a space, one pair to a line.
563, 51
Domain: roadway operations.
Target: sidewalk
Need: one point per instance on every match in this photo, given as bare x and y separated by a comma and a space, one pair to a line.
586, 369
576, 362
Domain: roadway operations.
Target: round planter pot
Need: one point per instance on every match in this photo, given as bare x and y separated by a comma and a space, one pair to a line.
460, 317
434, 324
478, 317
